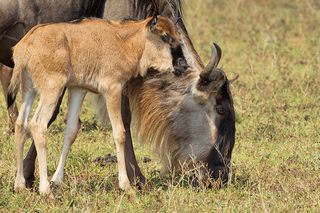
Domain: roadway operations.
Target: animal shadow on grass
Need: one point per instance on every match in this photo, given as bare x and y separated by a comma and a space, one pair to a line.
105, 160
87, 126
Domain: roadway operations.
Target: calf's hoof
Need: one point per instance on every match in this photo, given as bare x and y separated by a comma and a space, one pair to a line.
125, 186
57, 179
44, 189
19, 185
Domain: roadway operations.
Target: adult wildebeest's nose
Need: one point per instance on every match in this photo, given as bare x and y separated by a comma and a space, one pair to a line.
219, 173
180, 66
217, 168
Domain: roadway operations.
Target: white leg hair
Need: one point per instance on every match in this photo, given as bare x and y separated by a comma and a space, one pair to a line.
21, 136
113, 100
38, 128
75, 100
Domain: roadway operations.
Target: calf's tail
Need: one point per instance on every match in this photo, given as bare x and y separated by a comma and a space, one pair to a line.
14, 85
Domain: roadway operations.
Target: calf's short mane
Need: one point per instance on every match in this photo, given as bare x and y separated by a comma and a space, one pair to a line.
84, 20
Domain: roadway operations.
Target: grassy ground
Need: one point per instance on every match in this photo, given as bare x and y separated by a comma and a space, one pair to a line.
274, 46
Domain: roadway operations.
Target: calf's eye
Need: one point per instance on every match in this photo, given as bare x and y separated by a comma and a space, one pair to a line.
165, 38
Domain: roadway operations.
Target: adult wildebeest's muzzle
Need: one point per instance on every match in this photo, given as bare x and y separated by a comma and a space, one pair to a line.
179, 62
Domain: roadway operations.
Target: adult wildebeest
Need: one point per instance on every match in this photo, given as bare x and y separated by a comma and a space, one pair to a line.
52, 57
120, 9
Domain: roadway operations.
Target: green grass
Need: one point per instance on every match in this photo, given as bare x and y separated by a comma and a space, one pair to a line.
274, 46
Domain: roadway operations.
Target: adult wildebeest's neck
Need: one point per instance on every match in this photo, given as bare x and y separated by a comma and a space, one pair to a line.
94, 8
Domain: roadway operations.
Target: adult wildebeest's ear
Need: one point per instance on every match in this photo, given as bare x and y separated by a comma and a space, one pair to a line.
153, 23
234, 79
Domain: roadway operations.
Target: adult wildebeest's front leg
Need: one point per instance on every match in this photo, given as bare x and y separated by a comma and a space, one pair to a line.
113, 102
29, 161
5, 77
134, 173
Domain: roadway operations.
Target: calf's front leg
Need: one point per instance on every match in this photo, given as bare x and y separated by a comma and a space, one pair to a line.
113, 99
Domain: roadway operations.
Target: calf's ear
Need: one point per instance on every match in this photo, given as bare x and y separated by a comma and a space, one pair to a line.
153, 23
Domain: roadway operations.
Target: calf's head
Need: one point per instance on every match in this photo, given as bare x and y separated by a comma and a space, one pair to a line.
162, 50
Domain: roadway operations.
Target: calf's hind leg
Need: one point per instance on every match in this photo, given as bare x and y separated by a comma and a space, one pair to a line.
38, 129
21, 136
29, 160
114, 110
75, 100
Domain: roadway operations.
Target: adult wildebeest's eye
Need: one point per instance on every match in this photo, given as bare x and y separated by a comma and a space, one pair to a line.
166, 38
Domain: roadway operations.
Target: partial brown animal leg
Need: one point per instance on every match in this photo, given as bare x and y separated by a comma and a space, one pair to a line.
29, 165
29, 161
134, 173
5, 77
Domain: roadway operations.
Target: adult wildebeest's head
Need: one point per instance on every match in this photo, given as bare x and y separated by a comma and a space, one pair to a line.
190, 119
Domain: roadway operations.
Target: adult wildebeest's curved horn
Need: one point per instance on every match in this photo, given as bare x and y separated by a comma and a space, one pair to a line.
177, 15
213, 63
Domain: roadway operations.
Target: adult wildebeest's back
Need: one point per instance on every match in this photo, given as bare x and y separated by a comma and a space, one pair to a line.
17, 17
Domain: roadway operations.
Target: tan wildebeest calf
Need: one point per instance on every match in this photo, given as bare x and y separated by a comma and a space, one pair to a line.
92, 55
